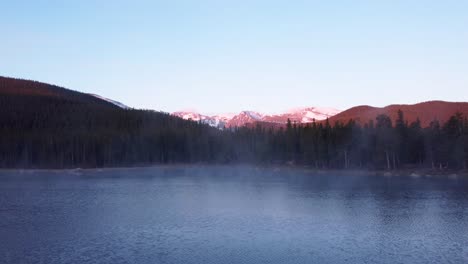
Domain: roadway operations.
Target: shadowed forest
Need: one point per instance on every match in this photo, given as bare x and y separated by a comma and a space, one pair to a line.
64, 129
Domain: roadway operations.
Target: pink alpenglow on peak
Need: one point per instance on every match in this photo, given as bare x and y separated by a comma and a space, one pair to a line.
309, 114
298, 115
218, 121
244, 117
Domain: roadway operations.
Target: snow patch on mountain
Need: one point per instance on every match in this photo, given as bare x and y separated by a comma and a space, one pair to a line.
311, 114
119, 104
226, 116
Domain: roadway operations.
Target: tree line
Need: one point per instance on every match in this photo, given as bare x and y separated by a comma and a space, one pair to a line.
50, 132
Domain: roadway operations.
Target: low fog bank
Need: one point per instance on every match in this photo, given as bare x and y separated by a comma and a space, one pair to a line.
233, 171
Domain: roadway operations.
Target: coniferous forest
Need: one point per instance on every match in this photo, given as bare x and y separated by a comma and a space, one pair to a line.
58, 128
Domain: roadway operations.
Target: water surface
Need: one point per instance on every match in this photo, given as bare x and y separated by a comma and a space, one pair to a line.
230, 215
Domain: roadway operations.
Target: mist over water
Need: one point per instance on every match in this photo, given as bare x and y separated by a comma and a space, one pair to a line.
230, 215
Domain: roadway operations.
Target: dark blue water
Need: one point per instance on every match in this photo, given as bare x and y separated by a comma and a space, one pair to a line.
230, 215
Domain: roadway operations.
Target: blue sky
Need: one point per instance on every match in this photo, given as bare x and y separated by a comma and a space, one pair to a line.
227, 56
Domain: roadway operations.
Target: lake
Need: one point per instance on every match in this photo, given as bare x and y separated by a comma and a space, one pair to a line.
230, 215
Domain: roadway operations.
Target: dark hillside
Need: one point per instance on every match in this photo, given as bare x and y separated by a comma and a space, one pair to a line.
14, 88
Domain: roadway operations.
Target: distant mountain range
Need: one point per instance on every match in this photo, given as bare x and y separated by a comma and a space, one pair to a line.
299, 115
426, 112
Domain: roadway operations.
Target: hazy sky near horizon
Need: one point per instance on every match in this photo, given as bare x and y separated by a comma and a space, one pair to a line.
227, 56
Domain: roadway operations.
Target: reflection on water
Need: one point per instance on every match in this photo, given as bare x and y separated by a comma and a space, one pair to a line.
230, 215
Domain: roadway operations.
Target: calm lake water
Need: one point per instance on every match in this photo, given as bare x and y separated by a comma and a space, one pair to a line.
230, 215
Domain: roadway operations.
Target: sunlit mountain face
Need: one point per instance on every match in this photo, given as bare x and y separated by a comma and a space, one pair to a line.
424, 113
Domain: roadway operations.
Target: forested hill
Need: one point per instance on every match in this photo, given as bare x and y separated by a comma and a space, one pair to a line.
32, 91
425, 112
46, 126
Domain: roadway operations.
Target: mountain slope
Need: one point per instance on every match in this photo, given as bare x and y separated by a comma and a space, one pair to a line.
426, 112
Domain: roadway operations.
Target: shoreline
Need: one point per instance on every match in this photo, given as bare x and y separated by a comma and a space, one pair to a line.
416, 173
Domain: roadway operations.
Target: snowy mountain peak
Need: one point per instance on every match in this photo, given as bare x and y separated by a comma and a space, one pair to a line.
322, 110
253, 115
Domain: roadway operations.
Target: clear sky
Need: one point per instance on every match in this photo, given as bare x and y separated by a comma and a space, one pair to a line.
227, 56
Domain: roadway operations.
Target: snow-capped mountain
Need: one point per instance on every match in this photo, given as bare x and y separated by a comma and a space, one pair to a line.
244, 117
119, 104
299, 115
218, 121
309, 114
